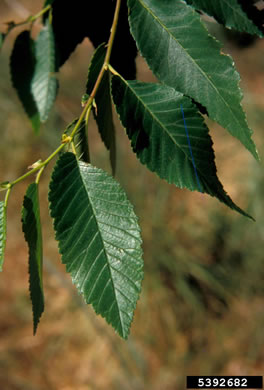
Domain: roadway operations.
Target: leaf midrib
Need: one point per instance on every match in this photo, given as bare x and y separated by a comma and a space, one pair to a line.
104, 249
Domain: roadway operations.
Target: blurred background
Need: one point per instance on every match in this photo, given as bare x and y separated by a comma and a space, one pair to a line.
201, 310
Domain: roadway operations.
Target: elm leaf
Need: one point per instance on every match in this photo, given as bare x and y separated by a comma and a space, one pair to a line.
152, 116
22, 67
31, 225
230, 13
183, 55
44, 84
99, 239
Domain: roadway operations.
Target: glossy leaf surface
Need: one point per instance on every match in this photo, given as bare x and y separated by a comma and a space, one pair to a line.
152, 116
228, 12
44, 83
31, 225
99, 239
184, 56
22, 66
2, 233
103, 111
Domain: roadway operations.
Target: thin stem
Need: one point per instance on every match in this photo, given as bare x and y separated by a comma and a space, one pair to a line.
103, 69
41, 165
87, 109
112, 70
86, 125
30, 19
40, 13
113, 32
39, 174
7, 196
88, 114
73, 148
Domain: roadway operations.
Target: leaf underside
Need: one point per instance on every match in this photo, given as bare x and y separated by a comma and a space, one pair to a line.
22, 65
2, 233
103, 112
31, 225
152, 116
99, 239
184, 56
44, 83
229, 13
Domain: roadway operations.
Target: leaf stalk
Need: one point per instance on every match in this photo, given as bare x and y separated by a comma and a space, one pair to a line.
103, 69
30, 19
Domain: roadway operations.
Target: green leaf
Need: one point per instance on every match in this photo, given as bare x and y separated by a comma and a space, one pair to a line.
99, 239
22, 65
152, 116
184, 56
253, 13
2, 233
228, 12
31, 225
81, 143
44, 84
103, 112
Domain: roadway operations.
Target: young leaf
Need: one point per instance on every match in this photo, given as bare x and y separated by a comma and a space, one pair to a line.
44, 84
152, 116
22, 65
103, 112
99, 239
188, 59
228, 12
32, 230
2, 233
